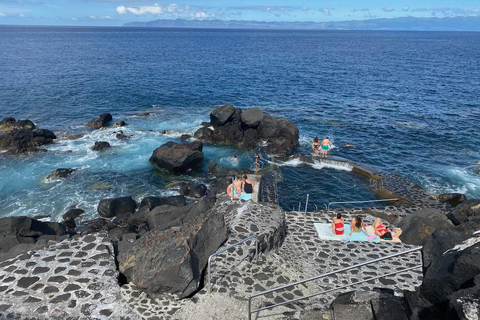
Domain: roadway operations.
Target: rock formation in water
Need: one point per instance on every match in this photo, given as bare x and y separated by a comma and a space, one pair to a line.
102, 121
20, 136
250, 129
178, 157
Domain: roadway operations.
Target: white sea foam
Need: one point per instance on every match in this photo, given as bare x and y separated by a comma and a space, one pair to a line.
340, 166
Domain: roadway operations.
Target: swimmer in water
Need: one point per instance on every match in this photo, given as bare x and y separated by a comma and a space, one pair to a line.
348, 145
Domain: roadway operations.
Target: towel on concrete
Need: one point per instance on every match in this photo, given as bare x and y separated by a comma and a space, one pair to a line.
325, 233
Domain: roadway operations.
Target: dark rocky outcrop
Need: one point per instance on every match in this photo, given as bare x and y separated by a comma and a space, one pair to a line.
249, 129
173, 260
143, 114
451, 261
94, 226
453, 199
100, 145
152, 202
185, 137
140, 216
178, 157
72, 213
198, 191
418, 226
26, 232
60, 173
464, 211
121, 136
101, 121
19, 141
167, 216
112, 207
120, 124
9, 124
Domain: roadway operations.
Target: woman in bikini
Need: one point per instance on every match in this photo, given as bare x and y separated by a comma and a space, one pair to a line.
247, 185
315, 145
338, 225
357, 225
381, 230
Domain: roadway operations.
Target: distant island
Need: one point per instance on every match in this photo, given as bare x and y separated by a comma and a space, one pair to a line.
405, 23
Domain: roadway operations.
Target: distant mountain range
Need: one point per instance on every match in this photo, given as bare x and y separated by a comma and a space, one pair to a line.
406, 23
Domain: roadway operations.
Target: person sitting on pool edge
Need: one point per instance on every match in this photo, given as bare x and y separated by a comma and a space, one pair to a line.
247, 185
338, 225
357, 225
234, 190
381, 231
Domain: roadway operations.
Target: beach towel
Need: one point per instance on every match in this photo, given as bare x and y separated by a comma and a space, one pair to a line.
325, 233
245, 196
395, 238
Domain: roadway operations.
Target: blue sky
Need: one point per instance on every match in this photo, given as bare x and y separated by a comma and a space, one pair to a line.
118, 12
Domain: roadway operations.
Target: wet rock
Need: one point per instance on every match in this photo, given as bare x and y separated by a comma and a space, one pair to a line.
101, 121
100, 145
204, 134
143, 114
9, 124
418, 226
185, 137
119, 124
72, 213
453, 199
60, 173
140, 216
178, 157
464, 211
112, 207
20, 141
220, 172
184, 190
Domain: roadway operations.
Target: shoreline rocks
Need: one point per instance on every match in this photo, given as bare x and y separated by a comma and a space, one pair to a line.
102, 121
250, 129
178, 157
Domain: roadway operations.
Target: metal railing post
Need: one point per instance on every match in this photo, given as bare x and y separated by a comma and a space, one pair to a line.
306, 203
366, 201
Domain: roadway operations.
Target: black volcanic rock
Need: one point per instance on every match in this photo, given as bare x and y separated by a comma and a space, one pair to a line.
419, 225
60, 173
18, 141
250, 129
453, 199
9, 124
465, 210
100, 145
178, 157
101, 121
112, 207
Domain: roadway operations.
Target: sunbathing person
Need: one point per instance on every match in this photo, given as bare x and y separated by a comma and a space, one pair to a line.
380, 230
338, 225
357, 225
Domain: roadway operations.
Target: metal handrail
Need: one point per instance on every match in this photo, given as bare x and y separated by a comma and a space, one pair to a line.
341, 202
250, 311
306, 203
227, 248
260, 165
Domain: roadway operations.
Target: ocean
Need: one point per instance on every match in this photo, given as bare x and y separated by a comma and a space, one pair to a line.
409, 101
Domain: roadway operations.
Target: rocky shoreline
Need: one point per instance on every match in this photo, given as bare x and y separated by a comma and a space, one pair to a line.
149, 260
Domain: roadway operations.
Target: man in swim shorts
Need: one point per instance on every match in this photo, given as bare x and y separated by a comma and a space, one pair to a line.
325, 145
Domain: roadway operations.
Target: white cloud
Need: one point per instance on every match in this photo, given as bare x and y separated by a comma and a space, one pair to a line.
405, 8
326, 11
172, 10
388, 9
21, 15
2, 14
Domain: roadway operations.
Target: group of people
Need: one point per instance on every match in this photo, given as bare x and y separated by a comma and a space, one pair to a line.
357, 225
241, 188
324, 146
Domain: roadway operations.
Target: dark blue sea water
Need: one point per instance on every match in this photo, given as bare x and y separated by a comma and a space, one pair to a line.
409, 101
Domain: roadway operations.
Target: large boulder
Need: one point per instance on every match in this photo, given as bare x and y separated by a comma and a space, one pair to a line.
72, 213
9, 124
251, 117
173, 260
152, 202
198, 191
453, 199
167, 216
451, 261
112, 207
178, 157
220, 172
418, 226
17, 141
221, 115
464, 211
101, 121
